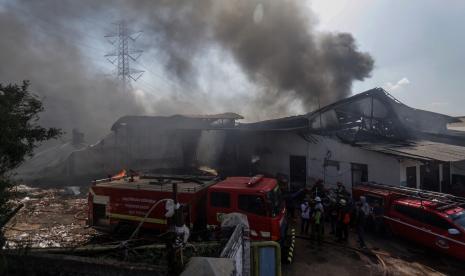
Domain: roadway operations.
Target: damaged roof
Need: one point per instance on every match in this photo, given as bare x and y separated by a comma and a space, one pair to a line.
372, 116
421, 150
178, 121
286, 123
374, 109
376, 121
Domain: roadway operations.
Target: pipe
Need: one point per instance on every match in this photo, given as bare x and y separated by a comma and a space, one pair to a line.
145, 217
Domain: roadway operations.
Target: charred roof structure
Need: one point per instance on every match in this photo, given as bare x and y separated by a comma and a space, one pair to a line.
375, 120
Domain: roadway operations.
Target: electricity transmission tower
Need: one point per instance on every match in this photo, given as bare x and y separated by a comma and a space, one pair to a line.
123, 53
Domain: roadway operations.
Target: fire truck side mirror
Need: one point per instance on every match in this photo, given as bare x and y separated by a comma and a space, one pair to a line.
453, 231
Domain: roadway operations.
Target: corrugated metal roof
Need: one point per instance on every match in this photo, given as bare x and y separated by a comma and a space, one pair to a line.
423, 150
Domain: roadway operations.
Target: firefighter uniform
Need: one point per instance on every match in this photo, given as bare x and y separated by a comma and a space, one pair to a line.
318, 221
343, 221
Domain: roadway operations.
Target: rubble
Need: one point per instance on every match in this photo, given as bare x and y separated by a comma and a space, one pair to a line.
50, 218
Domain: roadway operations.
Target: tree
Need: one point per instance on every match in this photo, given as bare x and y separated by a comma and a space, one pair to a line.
20, 132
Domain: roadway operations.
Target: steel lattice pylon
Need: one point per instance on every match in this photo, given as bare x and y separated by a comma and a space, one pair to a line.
123, 53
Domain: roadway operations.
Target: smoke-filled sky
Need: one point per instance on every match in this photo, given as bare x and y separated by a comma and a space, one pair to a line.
262, 59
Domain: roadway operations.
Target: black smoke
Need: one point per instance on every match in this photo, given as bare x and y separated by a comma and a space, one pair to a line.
275, 43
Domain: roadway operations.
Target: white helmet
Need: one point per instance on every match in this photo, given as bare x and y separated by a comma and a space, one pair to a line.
342, 202
317, 199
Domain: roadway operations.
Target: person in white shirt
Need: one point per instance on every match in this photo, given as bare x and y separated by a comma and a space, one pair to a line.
305, 216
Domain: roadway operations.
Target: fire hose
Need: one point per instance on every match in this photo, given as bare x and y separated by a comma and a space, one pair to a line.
146, 216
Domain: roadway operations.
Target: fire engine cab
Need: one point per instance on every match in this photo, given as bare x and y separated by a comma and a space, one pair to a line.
259, 198
432, 219
205, 199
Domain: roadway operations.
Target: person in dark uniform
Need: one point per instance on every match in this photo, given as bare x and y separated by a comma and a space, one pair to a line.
343, 221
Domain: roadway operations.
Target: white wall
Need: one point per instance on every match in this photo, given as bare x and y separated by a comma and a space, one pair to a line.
381, 168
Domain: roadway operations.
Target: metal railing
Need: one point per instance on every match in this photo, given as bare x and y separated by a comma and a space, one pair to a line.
442, 198
238, 249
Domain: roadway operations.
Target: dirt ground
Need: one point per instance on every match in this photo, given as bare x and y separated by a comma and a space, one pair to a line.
384, 256
49, 218
56, 218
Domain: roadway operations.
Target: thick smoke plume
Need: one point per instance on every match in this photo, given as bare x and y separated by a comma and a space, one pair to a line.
280, 47
274, 43
74, 94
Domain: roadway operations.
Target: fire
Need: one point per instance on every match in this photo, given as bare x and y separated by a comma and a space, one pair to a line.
119, 175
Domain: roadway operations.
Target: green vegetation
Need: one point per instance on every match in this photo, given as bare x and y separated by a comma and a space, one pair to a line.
20, 134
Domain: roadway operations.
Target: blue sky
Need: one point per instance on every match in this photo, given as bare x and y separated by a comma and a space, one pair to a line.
418, 47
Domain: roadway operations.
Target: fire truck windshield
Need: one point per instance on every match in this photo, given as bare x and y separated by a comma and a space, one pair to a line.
459, 219
275, 198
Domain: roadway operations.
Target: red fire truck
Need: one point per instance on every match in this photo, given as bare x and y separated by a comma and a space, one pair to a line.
128, 199
432, 219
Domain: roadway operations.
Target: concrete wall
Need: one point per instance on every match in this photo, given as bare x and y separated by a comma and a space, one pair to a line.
381, 168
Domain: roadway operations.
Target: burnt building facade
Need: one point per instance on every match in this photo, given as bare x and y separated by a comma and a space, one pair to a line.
368, 137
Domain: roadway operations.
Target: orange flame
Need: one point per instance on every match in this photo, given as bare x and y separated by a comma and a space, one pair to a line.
120, 175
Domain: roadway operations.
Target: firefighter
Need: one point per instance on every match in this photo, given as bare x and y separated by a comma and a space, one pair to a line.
318, 221
333, 210
341, 191
305, 217
377, 214
343, 221
318, 189
362, 212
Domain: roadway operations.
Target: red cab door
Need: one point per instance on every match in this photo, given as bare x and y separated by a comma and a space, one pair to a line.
439, 237
255, 208
406, 221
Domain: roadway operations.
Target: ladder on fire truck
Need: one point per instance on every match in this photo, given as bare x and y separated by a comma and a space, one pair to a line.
447, 201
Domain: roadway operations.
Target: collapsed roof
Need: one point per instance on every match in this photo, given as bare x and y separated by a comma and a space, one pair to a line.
374, 110
373, 120
377, 121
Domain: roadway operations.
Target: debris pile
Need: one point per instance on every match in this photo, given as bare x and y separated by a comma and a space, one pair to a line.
49, 218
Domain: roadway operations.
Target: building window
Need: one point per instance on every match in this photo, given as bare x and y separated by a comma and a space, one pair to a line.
252, 204
220, 200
